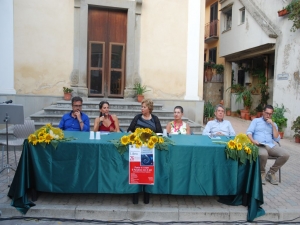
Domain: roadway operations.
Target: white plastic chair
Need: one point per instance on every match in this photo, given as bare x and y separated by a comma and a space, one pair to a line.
21, 132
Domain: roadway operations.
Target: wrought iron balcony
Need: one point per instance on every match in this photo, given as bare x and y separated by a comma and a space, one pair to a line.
211, 31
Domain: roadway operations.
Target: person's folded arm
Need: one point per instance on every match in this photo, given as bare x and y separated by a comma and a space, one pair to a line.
231, 130
207, 129
133, 124
86, 124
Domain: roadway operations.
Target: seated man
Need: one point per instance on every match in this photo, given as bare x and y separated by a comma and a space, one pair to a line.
75, 120
219, 126
262, 131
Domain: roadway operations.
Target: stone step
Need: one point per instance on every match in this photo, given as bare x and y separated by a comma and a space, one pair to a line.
127, 117
125, 110
95, 112
116, 104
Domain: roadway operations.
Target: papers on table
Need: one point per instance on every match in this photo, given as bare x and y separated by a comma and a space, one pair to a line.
214, 137
104, 132
263, 143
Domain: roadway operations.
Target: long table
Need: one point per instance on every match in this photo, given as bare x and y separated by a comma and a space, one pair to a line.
193, 166
77, 166
196, 165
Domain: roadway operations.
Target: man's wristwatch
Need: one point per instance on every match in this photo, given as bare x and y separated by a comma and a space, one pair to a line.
80, 121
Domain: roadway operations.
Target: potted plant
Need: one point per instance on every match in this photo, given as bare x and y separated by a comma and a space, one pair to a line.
283, 12
209, 111
296, 128
245, 96
140, 90
236, 88
228, 112
253, 114
67, 93
208, 66
259, 110
294, 14
219, 68
279, 119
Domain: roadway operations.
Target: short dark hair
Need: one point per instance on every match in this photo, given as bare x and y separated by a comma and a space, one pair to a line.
76, 99
268, 107
102, 103
179, 107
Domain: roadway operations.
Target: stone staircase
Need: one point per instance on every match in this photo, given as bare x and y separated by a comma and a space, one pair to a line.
124, 109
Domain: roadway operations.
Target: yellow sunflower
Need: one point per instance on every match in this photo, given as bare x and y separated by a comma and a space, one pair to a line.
124, 140
138, 131
145, 137
48, 138
231, 144
154, 139
138, 143
150, 144
160, 140
147, 130
239, 146
32, 139
242, 138
132, 138
247, 150
41, 138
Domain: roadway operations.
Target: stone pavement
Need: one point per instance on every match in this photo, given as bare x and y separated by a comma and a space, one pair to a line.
281, 202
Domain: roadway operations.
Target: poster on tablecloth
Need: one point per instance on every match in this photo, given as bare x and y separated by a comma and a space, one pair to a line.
141, 165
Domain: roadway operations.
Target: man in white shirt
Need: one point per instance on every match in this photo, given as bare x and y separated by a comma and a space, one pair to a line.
219, 126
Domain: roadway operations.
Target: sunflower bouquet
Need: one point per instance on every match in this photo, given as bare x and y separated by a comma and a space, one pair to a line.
240, 148
142, 137
46, 135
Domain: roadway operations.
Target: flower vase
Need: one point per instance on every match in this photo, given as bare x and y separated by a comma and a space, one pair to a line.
281, 133
67, 96
140, 98
297, 139
208, 74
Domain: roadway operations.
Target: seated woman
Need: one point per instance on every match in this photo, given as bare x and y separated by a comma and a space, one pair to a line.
146, 119
106, 122
178, 126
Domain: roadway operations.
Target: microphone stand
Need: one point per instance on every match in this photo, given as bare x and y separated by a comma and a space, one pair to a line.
12, 114
7, 166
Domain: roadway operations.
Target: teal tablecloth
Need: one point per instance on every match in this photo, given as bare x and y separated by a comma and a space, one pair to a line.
193, 166
77, 166
197, 166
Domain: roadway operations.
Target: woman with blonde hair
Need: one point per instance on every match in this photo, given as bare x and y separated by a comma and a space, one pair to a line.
146, 119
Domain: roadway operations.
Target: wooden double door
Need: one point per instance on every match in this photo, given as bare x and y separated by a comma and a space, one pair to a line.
107, 31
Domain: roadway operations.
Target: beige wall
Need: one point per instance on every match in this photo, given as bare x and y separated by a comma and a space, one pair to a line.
43, 45
164, 48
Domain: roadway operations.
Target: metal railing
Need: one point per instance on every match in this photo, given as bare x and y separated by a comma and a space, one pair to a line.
211, 29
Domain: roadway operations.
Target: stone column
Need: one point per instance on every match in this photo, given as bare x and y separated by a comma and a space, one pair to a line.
193, 50
7, 47
227, 83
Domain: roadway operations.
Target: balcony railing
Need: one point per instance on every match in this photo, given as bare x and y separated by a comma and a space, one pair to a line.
211, 31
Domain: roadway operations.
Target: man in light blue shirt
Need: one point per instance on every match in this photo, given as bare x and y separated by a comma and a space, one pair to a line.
263, 132
219, 126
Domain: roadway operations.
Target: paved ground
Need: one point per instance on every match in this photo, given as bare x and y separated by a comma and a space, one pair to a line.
281, 203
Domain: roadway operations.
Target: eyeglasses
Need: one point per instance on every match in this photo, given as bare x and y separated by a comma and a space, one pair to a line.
77, 106
269, 114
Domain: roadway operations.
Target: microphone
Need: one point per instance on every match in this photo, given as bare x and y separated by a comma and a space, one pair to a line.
8, 101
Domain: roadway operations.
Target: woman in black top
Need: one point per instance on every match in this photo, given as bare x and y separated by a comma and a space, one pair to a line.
146, 119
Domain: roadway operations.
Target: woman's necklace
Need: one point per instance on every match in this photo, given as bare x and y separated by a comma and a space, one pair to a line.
147, 118
177, 128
